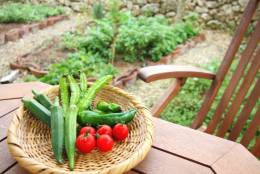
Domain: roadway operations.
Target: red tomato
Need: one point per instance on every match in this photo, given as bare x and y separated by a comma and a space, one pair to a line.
120, 131
105, 129
87, 129
86, 143
105, 143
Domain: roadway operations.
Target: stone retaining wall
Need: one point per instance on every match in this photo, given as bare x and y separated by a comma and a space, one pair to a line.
216, 14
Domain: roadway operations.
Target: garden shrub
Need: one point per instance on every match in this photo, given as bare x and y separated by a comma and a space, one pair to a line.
76, 63
152, 37
22, 13
137, 38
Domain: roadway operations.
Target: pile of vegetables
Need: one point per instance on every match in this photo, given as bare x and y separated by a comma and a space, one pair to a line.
77, 113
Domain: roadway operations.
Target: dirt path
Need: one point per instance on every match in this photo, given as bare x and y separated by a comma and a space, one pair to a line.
11, 50
213, 47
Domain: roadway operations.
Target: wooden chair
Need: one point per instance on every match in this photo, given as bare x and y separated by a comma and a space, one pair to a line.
229, 105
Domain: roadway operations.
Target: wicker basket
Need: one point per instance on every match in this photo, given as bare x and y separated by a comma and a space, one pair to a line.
29, 140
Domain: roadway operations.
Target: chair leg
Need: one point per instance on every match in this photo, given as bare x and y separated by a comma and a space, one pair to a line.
171, 92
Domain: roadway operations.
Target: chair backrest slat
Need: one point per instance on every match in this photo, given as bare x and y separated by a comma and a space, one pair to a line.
238, 99
256, 149
237, 75
251, 130
232, 50
245, 113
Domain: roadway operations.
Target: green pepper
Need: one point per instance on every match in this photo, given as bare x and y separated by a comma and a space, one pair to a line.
87, 117
114, 107
103, 106
108, 107
87, 98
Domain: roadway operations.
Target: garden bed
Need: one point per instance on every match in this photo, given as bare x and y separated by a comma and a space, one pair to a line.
15, 31
17, 19
52, 51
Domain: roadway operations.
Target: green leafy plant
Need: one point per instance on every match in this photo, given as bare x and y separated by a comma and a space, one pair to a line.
78, 62
133, 38
98, 10
22, 13
152, 37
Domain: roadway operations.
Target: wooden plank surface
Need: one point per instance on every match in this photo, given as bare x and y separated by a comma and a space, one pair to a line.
189, 143
16, 169
4, 124
18, 90
8, 106
156, 162
6, 159
159, 162
238, 160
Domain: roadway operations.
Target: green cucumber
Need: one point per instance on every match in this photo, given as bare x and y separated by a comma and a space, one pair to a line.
38, 110
43, 99
57, 130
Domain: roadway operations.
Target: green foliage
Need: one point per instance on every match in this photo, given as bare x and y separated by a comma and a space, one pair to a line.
184, 107
119, 34
98, 10
152, 37
114, 11
76, 62
21, 13
137, 38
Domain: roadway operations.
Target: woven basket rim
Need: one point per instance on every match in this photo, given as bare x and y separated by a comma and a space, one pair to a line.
32, 165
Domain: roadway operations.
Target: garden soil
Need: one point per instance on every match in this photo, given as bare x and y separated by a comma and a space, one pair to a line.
10, 51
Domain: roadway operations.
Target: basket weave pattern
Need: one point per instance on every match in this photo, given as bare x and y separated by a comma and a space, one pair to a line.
29, 140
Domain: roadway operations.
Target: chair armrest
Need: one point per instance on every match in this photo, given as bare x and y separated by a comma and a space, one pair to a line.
159, 72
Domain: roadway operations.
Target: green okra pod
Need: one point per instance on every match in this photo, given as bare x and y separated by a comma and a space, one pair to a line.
57, 130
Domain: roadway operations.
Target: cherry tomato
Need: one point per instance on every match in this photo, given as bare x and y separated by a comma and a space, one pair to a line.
87, 129
105, 143
120, 131
86, 143
105, 129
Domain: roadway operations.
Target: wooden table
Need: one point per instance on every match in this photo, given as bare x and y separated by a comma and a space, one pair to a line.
176, 149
